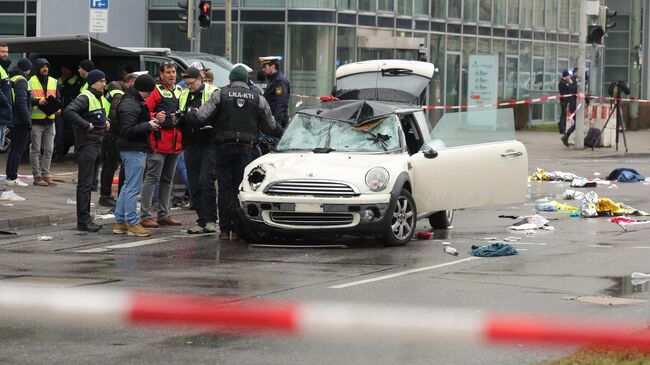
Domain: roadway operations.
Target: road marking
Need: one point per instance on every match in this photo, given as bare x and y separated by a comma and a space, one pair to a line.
600, 246
151, 241
641, 247
403, 273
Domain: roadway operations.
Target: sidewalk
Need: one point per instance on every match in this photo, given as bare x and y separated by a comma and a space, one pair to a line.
48, 205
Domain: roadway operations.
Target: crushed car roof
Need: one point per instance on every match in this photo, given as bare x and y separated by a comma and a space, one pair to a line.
355, 112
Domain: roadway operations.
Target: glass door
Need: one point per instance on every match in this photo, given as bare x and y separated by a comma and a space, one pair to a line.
452, 79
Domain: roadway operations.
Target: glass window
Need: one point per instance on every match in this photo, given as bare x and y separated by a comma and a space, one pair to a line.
323, 4
163, 3
262, 3
527, 14
512, 64
575, 16
500, 7
513, 11
551, 14
439, 9
258, 40
453, 43
438, 60
469, 10
421, 7
512, 47
12, 25
484, 46
404, 7
367, 5
166, 35
538, 14
310, 59
454, 8
346, 45
366, 54
525, 78
452, 79
550, 75
452, 130
564, 15
347, 4
213, 40
469, 48
485, 10
385, 5
498, 48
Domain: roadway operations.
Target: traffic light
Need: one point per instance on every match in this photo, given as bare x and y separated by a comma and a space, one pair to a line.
188, 16
205, 14
596, 32
609, 14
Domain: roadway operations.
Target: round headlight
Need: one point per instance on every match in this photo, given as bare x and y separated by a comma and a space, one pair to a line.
255, 177
377, 178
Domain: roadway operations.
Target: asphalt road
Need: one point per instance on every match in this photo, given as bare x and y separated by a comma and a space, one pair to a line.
582, 257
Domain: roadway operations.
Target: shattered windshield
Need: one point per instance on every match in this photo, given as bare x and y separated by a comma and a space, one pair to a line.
313, 133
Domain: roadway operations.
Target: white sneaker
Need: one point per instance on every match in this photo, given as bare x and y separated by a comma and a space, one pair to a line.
16, 182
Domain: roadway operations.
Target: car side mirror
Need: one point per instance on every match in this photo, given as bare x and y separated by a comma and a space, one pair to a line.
430, 153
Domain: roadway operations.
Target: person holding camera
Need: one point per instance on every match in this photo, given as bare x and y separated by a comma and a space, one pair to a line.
165, 146
568, 104
200, 158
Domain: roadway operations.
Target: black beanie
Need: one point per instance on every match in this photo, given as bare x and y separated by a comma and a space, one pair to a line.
94, 76
238, 74
87, 65
144, 83
24, 65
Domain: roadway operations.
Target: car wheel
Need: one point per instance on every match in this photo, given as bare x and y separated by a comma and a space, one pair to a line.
441, 219
401, 221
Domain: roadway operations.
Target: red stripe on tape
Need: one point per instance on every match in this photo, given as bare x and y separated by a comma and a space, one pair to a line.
224, 313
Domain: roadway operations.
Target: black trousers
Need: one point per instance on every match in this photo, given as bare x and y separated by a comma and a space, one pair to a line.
87, 157
201, 163
19, 139
231, 161
110, 161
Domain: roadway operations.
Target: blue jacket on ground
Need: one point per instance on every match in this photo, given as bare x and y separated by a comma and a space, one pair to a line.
625, 174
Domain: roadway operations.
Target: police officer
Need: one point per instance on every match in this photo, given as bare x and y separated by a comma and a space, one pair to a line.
87, 113
241, 116
567, 86
277, 90
199, 153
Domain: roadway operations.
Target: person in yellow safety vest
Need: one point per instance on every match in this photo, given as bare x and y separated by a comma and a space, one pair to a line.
22, 121
85, 67
87, 113
46, 105
6, 103
199, 153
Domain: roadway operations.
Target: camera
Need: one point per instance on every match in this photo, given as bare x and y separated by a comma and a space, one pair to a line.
617, 88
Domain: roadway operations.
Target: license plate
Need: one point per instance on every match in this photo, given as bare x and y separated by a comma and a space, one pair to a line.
306, 207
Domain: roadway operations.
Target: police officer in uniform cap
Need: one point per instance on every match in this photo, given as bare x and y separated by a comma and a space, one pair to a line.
277, 90
241, 116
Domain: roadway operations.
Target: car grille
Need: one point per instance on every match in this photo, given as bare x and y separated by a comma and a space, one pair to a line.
312, 219
311, 187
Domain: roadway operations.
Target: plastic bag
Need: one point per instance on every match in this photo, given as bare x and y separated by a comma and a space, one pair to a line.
588, 205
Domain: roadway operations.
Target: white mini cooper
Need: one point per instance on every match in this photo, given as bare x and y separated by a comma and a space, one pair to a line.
371, 165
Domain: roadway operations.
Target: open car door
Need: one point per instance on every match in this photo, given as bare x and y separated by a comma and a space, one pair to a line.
463, 165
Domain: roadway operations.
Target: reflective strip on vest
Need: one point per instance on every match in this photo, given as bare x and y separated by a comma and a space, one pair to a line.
3, 73
94, 104
39, 93
13, 82
107, 102
207, 92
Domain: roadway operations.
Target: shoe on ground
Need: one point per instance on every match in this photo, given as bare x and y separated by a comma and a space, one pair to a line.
196, 230
38, 181
89, 227
120, 228
169, 221
210, 227
224, 236
565, 140
138, 231
16, 182
107, 201
149, 223
49, 181
234, 236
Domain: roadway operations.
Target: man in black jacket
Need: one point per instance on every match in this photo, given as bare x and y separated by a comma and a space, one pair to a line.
22, 122
134, 127
88, 115
568, 105
6, 102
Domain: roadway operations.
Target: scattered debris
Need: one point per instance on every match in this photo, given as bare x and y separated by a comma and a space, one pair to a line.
11, 196
582, 182
424, 235
493, 250
555, 206
639, 275
44, 238
450, 250
105, 216
569, 194
625, 174
629, 223
541, 175
511, 239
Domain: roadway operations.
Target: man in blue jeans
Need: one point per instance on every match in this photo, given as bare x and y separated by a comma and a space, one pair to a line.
133, 131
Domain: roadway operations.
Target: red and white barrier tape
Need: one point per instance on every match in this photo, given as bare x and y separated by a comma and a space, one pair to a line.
618, 99
101, 307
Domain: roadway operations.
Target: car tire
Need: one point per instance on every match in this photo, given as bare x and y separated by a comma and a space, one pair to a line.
400, 222
441, 219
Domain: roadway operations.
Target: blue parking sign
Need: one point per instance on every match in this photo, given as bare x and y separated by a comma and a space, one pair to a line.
99, 4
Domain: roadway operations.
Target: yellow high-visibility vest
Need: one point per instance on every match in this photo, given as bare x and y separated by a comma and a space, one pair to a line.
39, 93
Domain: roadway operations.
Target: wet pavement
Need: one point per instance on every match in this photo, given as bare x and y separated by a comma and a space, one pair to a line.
582, 257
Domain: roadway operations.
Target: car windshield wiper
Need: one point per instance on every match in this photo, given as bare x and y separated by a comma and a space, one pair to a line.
323, 150
379, 138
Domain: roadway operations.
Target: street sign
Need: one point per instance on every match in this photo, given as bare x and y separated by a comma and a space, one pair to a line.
99, 4
98, 21
482, 82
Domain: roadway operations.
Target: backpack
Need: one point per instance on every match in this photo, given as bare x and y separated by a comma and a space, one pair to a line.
592, 137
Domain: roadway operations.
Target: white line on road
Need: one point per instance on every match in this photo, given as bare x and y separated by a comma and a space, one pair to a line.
641, 247
600, 246
151, 241
398, 274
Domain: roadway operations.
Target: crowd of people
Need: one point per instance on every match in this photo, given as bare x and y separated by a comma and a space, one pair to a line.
148, 129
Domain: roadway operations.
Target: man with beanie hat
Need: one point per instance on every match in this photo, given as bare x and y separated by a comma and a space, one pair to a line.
567, 105
22, 122
85, 67
6, 102
133, 141
240, 114
46, 105
165, 146
87, 113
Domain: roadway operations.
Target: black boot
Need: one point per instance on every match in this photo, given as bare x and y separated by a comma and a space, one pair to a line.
107, 201
88, 227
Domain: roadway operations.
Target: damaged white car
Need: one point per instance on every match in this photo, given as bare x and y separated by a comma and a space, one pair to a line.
374, 167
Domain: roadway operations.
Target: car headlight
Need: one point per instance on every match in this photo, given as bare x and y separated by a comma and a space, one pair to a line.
377, 178
255, 177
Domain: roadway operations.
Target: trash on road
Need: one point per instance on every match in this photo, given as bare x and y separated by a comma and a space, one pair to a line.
493, 250
105, 216
512, 239
11, 196
44, 238
555, 206
640, 275
530, 222
625, 174
74, 202
450, 250
570, 194
424, 235
629, 223
541, 175
588, 205
582, 182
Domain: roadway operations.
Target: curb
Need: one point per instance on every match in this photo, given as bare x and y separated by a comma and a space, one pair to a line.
38, 220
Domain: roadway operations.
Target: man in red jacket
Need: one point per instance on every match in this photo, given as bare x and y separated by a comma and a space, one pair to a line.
165, 146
